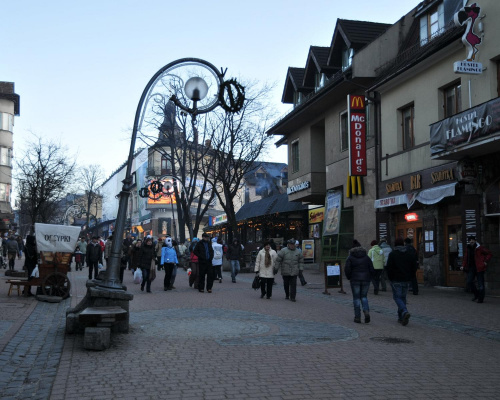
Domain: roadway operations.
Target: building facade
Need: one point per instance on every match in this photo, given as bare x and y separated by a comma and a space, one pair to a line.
9, 108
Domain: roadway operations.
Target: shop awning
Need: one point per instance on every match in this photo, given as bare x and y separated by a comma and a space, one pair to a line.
427, 196
270, 205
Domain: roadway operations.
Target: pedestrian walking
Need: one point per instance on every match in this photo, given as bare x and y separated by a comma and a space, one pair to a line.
264, 267
290, 261
158, 248
83, 248
475, 262
168, 261
30, 260
12, 251
133, 254
94, 257
146, 255
205, 253
20, 244
411, 250
301, 275
107, 249
217, 261
127, 244
235, 254
401, 266
359, 271
387, 250
376, 254
194, 265
78, 256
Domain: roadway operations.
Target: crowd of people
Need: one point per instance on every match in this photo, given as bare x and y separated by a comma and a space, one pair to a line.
399, 266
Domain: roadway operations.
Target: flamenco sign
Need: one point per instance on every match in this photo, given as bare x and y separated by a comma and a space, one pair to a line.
356, 112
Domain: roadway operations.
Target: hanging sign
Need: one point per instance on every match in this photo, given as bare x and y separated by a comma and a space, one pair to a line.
356, 114
469, 16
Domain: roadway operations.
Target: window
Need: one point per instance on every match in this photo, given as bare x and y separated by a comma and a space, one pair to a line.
295, 155
344, 133
6, 122
347, 55
431, 24
319, 81
298, 98
408, 114
5, 156
452, 99
166, 166
4, 192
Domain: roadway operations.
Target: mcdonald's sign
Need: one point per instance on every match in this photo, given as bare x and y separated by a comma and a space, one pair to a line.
356, 112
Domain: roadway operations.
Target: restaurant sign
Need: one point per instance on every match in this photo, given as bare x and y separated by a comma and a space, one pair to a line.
470, 126
356, 109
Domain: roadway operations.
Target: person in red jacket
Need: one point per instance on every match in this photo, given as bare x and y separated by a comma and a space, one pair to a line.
475, 261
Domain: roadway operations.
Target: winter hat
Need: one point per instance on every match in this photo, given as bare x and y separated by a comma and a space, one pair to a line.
355, 243
214, 240
373, 243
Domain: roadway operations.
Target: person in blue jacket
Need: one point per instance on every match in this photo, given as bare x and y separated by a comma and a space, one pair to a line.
168, 261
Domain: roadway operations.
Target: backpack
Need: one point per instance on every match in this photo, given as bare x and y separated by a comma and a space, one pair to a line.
218, 253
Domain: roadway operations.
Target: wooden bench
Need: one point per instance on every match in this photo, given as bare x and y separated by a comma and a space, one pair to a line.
16, 284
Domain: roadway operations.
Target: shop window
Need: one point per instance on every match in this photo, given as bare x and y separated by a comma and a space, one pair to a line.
295, 156
431, 24
452, 99
344, 133
407, 127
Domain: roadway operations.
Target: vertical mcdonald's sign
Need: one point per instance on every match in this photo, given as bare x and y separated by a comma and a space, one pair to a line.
356, 109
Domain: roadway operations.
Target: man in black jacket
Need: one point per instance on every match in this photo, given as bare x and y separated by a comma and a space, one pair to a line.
94, 257
205, 253
401, 266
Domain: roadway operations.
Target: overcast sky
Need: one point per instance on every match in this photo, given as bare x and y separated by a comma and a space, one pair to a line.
80, 67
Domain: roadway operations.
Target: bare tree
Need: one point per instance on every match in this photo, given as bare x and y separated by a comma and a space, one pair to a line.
238, 141
91, 178
44, 175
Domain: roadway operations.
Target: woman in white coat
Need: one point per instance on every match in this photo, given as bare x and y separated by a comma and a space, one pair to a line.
264, 265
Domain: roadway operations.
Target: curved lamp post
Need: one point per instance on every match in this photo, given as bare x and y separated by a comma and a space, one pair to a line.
229, 95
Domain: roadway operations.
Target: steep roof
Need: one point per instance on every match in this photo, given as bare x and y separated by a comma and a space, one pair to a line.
317, 62
293, 83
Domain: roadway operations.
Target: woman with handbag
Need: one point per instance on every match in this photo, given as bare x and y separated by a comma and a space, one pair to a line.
264, 267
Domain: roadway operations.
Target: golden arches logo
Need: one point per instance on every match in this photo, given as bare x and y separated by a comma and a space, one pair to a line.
358, 102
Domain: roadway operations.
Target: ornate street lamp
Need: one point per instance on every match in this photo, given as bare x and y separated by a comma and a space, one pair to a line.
204, 97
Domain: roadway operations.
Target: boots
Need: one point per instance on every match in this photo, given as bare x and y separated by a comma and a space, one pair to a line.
367, 317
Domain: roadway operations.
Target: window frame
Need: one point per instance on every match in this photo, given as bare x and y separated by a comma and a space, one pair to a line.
456, 87
295, 156
5, 192
344, 146
426, 25
8, 156
411, 136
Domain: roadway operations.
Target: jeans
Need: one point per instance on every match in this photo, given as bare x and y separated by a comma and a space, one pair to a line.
290, 286
479, 291
145, 279
399, 291
359, 293
235, 268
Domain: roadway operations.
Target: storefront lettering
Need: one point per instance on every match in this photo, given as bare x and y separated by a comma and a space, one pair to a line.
468, 124
416, 182
444, 175
297, 188
394, 187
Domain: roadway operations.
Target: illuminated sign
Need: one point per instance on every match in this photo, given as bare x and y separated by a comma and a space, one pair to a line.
356, 114
411, 217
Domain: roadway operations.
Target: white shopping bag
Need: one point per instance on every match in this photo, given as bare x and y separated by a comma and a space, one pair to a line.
138, 276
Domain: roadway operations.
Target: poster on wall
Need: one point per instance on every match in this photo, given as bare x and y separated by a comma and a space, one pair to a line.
314, 231
308, 250
332, 213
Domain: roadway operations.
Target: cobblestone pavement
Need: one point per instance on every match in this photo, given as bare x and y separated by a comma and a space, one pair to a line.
230, 344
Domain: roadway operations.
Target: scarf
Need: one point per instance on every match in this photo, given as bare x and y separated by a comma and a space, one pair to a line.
267, 262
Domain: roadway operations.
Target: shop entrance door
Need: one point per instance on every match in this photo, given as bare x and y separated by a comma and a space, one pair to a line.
412, 230
454, 252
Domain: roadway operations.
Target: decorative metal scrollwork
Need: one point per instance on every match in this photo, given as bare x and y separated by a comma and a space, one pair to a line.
156, 187
232, 96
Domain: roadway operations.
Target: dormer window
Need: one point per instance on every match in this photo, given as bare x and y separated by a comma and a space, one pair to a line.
320, 81
431, 24
298, 98
347, 55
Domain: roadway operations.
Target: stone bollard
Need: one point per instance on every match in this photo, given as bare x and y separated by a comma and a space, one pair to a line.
97, 338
